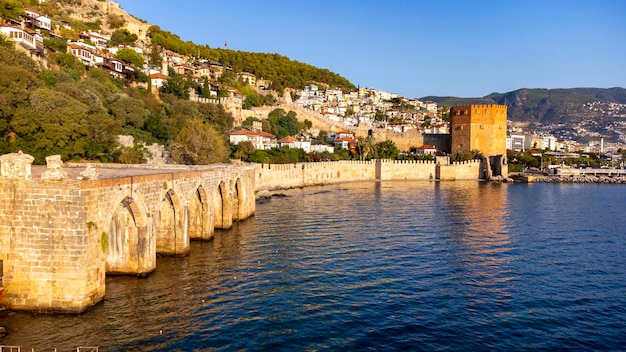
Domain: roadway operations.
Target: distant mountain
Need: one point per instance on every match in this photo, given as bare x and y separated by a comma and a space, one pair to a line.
581, 114
542, 105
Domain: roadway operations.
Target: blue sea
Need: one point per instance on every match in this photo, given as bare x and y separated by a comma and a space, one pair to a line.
378, 266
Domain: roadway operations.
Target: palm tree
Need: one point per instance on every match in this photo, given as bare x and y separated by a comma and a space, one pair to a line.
366, 146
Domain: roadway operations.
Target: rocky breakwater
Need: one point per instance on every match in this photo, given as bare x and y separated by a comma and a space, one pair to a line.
578, 179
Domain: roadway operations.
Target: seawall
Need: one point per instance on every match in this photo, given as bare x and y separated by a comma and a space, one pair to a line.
284, 176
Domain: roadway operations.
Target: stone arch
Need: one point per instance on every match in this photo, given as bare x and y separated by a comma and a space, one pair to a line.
200, 225
172, 236
125, 238
222, 208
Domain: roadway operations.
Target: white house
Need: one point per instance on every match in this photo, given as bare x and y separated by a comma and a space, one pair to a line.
426, 150
158, 79
39, 20
87, 53
24, 36
291, 142
261, 140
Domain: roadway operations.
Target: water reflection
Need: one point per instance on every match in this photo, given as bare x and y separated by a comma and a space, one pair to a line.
480, 249
367, 266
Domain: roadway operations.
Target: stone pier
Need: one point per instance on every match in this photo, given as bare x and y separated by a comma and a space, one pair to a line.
62, 229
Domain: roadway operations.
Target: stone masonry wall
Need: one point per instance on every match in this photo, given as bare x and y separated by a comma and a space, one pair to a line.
51, 261
283, 176
59, 237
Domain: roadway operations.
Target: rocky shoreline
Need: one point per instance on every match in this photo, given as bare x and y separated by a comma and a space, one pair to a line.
570, 179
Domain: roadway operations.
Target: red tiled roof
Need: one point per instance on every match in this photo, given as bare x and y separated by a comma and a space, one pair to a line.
159, 75
253, 133
426, 147
288, 139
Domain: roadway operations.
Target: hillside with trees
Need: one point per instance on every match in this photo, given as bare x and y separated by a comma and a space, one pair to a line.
57, 105
280, 70
78, 114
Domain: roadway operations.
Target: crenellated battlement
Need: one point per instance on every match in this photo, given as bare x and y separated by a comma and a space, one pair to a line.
280, 176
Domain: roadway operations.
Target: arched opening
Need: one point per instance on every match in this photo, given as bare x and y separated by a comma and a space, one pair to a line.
121, 240
172, 226
200, 227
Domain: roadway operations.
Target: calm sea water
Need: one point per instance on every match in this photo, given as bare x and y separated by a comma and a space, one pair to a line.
381, 266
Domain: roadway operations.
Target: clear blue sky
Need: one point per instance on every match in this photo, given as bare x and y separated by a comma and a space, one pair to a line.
465, 48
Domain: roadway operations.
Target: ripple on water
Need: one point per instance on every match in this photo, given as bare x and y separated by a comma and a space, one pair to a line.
378, 266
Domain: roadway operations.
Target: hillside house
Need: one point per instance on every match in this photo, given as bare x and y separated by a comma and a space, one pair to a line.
37, 20
183, 69
261, 140
158, 79
426, 150
87, 53
25, 37
247, 78
117, 68
100, 40
291, 142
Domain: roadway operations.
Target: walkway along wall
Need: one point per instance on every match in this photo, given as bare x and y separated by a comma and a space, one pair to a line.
60, 236
282, 176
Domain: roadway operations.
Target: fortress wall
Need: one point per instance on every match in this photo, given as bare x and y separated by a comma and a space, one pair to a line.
407, 170
284, 176
51, 261
466, 170
339, 171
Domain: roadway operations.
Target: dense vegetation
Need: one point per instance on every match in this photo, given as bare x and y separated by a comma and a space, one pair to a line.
78, 113
278, 69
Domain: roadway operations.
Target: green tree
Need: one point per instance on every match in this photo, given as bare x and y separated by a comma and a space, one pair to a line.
131, 115
130, 56
249, 121
69, 63
387, 150
6, 42
11, 9
244, 150
200, 144
134, 155
58, 45
122, 37
176, 85
57, 129
366, 147
155, 55
283, 124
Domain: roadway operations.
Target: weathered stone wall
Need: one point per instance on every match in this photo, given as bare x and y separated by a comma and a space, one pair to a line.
59, 236
465, 170
281, 176
407, 170
51, 260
